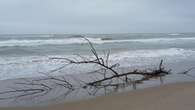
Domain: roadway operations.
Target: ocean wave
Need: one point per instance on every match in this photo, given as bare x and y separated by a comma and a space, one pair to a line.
13, 67
15, 42
130, 54
37, 42
153, 53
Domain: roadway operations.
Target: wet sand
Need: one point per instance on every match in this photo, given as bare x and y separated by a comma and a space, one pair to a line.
180, 96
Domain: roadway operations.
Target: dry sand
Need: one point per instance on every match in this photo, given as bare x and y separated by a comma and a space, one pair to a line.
168, 97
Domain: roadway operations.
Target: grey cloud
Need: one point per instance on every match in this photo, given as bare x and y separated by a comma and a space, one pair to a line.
96, 16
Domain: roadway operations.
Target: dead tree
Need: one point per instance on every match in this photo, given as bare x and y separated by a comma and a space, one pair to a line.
109, 77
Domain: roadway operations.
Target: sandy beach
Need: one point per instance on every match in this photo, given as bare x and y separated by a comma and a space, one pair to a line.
180, 96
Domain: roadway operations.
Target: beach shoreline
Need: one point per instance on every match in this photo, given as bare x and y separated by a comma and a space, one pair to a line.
178, 96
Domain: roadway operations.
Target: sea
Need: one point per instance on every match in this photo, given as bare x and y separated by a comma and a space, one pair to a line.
30, 55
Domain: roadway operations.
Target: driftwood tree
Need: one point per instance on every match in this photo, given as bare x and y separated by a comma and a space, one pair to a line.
109, 78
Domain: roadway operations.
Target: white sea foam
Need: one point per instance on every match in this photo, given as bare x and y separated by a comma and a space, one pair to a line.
14, 42
46, 42
13, 67
174, 34
152, 53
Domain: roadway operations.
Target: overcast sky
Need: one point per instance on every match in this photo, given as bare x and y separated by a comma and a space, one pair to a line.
96, 16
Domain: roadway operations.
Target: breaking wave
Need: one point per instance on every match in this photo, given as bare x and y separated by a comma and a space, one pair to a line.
64, 41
